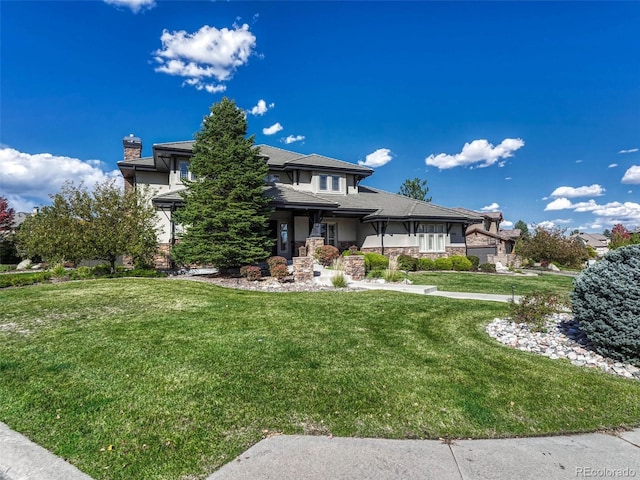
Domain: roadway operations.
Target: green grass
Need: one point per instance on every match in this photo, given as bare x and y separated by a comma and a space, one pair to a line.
493, 283
163, 379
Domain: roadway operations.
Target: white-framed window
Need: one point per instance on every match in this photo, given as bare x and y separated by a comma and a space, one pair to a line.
329, 183
432, 237
184, 171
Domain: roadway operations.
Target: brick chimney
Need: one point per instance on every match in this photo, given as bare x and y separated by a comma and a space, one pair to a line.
132, 147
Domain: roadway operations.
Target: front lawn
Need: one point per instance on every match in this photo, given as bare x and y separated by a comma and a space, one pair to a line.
163, 379
494, 283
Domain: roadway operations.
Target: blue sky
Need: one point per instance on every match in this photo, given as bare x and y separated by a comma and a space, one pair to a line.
528, 108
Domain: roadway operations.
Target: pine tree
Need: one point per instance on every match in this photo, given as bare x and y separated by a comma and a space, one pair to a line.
415, 188
226, 213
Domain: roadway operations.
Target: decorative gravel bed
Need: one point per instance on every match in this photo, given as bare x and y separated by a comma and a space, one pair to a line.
267, 284
563, 339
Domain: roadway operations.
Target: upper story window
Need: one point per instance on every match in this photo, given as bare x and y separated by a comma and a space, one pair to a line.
185, 173
329, 183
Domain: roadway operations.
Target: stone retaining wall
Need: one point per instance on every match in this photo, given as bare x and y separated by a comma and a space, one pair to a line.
354, 266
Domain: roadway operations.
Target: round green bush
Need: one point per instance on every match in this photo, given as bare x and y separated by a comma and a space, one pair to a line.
443, 263
487, 267
375, 261
426, 264
460, 263
606, 304
475, 261
406, 262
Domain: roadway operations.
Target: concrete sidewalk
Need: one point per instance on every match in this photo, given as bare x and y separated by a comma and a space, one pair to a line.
293, 457
325, 274
322, 458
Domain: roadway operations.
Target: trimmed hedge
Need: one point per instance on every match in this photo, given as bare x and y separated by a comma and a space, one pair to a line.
460, 263
443, 263
426, 264
606, 304
407, 262
375, 261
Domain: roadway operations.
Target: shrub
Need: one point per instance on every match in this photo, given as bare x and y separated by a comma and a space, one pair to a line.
339, 281
377, 273
58, 271
279, 271
443, 263
426, 264
243, 270
487, 267
23, 279
81, 273
253, 273
375, 261
605, 304
140, 272
406, 262
326, 254
101, 270
276, 260
392, 275
535, 308
475, 261
460, 263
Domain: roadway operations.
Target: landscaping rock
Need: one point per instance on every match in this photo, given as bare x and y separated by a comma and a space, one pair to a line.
553, 268
24, 265
561, 340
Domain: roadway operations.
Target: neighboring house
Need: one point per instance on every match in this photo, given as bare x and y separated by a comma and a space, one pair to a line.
487, 241
597, 241
312, 195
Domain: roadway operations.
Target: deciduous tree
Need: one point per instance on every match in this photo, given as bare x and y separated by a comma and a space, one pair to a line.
101, 224
548, 245
6, 215
226, 213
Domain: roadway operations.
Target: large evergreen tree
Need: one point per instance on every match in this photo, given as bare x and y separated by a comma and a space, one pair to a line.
415, 188
226, 212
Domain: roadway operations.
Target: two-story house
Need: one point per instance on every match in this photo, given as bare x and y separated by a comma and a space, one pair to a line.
312, 195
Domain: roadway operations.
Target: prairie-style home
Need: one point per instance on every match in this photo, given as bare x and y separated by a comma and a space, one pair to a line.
312, 196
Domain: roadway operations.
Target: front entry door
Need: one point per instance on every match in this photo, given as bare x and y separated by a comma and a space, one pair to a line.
284, 244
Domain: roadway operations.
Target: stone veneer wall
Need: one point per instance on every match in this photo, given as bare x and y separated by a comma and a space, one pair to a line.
312, 243
506, 259
394, 252
354, 266
162, 259
303, 269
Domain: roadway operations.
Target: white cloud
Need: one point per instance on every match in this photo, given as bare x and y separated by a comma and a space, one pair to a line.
293, 138
273, 129
205, 54
490, 208
558, 204
594, 190
546, 224
613, 165
506, 224
609, 213
134, 5
578, 161
27, 180
261, 108
632, 175
507, 178
631, 150
380, 157
478, 151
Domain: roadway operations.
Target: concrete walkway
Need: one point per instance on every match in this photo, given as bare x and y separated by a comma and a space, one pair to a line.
324, 276
322, 458
293, 457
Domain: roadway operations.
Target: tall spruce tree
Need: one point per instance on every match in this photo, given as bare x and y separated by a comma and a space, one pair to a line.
226, 213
